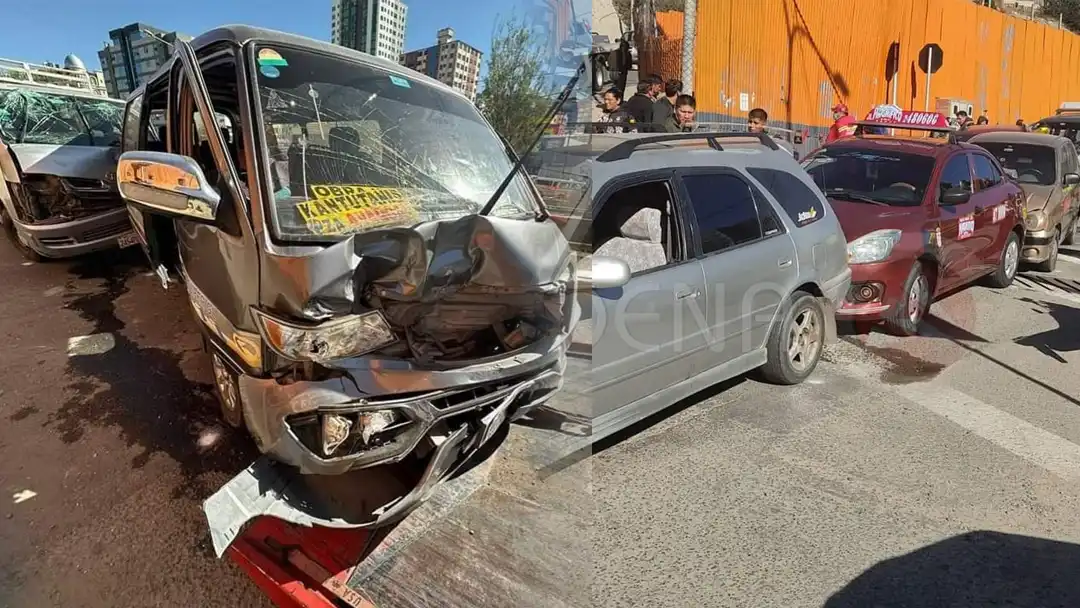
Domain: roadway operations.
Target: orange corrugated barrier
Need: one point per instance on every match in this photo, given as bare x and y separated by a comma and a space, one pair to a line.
797, 58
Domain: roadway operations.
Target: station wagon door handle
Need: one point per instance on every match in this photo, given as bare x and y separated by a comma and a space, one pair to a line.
687, 294
783, 263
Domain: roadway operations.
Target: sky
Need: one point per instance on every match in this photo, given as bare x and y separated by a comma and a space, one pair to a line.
47, 30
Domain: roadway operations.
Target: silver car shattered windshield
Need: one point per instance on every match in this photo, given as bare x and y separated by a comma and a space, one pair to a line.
355, 148
36, 117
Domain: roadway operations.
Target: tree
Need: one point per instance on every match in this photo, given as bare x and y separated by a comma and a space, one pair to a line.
623, 8
1067, 10
514, 98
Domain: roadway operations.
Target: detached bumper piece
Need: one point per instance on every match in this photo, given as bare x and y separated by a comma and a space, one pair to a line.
277, 490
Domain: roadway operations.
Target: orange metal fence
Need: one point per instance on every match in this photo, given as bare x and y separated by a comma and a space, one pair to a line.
797, 58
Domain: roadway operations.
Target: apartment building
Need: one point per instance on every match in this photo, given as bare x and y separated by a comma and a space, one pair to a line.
450, 61
376, 27
134, 52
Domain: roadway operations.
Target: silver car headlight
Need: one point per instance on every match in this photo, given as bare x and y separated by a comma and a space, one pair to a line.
340, 338
873, 247
1035, 221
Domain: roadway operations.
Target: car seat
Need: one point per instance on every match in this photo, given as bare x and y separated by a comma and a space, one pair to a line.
639, 240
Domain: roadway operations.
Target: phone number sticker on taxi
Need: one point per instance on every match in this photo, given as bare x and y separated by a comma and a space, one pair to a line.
344, 209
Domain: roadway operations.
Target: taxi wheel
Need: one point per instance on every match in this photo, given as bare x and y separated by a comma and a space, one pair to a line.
1051, 260
908, 313
1008, 264
227, 387
796, 341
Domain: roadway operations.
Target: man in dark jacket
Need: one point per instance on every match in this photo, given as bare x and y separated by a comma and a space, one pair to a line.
640, 105
616, 114
663, 110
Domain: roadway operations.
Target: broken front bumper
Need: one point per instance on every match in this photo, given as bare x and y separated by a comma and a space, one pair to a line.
280, 416
76, 237
268, 488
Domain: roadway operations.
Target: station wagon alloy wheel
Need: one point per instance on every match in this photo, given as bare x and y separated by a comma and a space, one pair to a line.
805, 339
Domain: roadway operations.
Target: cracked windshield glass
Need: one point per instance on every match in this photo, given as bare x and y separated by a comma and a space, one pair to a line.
356, 148
32, 117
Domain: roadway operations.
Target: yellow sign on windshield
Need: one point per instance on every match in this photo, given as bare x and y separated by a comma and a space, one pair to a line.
336, 210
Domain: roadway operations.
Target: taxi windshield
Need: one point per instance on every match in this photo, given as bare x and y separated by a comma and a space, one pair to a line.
355, 148
866, 175
1032, 164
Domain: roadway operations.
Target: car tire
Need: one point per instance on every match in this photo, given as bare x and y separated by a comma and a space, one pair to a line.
800, 327
1051, 260
1008, 264
13, 235
909, 312
227, 389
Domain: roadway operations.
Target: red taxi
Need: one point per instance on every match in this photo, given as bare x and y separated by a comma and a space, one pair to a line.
923, 216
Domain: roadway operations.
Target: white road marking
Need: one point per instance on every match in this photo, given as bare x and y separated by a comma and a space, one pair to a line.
23, 496
94, 344
1043, 448
1069, 259
27, 263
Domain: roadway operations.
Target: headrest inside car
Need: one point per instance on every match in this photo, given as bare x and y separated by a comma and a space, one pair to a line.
643, 226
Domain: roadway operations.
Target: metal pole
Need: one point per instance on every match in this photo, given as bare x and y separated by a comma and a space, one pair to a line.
929, 64
689, 31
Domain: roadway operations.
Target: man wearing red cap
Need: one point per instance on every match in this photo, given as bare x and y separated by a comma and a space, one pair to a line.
843, 125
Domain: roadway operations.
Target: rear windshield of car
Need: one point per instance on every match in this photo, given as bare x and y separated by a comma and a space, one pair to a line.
1030, 164
868, 175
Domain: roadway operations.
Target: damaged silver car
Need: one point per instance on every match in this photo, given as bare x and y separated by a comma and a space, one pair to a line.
58, 155
366, 294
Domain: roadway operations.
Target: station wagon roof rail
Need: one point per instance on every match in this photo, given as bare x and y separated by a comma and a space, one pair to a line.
623, 150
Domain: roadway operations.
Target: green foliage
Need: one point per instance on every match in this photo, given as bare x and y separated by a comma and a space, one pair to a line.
514, 98
1068, 10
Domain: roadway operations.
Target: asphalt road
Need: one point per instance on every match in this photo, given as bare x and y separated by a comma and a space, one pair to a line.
939, 470
119, 445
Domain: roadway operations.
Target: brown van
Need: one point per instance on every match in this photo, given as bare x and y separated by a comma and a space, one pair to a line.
1047, 168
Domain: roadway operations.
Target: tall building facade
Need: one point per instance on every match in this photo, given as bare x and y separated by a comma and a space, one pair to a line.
133, 54
376, 27
450, 61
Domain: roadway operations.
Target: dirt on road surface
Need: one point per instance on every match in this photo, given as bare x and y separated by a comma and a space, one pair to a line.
110, 439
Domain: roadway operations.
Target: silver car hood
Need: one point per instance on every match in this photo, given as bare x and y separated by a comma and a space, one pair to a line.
85, 162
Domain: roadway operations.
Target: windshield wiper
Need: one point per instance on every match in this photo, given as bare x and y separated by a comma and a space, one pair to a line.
852, 196
559, 102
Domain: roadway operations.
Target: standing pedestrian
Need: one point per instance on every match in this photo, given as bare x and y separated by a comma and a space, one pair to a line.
756, 120
621, 120
663, 110
843, 124
982, 120
640, 105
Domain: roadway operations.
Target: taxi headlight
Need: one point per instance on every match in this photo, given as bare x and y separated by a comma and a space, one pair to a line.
873, 247
340, 338
1035, 221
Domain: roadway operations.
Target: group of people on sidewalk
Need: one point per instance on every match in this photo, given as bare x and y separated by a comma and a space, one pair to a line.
656, 107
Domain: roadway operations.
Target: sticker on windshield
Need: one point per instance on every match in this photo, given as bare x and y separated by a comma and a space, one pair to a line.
399, 81
269, 71
966, 228
807, 216
344, 209
999, 213
271, 57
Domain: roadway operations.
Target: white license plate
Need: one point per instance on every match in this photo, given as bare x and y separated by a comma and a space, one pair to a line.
127, 240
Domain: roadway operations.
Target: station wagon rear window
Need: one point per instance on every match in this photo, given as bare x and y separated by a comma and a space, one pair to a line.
871, 176
357, 148
1029, 163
